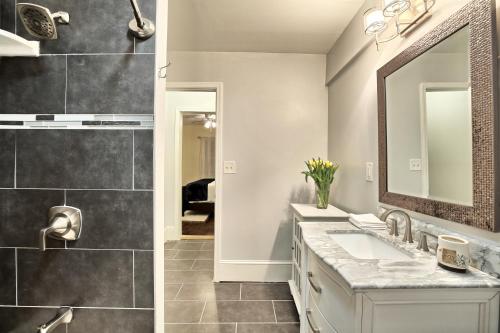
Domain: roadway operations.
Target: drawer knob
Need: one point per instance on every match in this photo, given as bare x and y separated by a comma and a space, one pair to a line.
311, 323
313, 283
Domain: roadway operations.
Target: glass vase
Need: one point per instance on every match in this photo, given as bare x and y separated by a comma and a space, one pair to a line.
322, 195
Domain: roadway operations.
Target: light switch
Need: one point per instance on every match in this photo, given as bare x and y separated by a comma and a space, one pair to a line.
229, 166
369, 172
415, 164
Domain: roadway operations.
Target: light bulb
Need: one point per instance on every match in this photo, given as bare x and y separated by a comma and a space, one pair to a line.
393, 7
374, 21
206, 124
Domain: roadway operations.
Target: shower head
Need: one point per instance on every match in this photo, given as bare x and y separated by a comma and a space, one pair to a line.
39, 21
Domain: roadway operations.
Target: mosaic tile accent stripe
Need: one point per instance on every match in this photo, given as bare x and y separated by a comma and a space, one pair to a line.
94, 121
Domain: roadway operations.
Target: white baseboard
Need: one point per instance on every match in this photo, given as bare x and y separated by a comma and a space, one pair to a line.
254, 270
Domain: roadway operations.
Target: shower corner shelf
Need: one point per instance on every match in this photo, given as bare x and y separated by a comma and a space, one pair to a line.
12, 45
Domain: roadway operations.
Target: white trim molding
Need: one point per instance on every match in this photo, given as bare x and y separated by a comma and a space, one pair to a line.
172, 172
159, 164
255, 270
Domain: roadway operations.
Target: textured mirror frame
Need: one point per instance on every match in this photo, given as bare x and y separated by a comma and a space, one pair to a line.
480, 16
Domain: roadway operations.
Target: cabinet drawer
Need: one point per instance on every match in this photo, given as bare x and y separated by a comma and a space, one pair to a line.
315, 322
335, 300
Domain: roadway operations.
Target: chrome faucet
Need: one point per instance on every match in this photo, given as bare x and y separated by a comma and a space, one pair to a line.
408, 236
64, 316
422, 243
65, 223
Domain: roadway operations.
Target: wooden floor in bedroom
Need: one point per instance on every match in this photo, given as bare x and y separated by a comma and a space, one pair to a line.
198, 229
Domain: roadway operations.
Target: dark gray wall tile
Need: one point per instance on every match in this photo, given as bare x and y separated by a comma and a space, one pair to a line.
32, 85
40, 159
114, 219
96, 26
112, 321
99, 159
74, 159
26, 320
143, 159
7, 15
7, 277
23, 213
144, 279
148, 9
83, 278
111, 84
7, 157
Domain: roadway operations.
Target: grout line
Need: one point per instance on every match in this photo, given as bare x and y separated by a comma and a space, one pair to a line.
134, 45
241, 322
274, 310
66, 88
15, 17
65, 198
15, 159
74, 307
178, 291
15, 260
133, 158
241, 285
72, 248
203, 311
133, 278
94, 54
77, 189
236, 328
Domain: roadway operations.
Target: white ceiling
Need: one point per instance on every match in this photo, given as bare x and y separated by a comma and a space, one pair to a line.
295, 26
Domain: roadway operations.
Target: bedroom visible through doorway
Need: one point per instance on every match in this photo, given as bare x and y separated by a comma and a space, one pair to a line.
198, 174
193, 121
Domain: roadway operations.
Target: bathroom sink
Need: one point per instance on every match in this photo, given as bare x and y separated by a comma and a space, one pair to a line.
365, 246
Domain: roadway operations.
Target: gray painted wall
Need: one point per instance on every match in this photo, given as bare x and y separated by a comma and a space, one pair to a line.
93, 68
274, 119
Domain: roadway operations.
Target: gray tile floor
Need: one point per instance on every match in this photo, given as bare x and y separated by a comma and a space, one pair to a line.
194, 304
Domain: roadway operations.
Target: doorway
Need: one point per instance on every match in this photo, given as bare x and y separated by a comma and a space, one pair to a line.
197, 150
194, 169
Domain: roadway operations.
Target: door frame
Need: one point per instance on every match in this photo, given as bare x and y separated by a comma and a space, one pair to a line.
173, 164
424, 150
159, 134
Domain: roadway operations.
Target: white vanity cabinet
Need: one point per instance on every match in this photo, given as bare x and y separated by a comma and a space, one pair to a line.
307, 213
331, 306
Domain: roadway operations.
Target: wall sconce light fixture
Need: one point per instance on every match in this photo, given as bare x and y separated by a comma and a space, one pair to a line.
392, 18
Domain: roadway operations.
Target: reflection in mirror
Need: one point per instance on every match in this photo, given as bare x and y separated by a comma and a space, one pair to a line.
429, 127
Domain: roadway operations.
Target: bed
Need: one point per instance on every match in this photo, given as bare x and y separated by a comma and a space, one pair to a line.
199, 196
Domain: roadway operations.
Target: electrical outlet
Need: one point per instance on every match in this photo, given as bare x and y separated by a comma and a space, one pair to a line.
369, 172
229, 166
415, 164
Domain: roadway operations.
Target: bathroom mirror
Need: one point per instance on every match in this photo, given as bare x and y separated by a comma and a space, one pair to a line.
437, 121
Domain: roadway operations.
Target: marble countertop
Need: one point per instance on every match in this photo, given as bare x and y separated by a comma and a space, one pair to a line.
420, 271
310, 211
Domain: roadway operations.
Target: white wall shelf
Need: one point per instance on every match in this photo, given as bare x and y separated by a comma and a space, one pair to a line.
12, 45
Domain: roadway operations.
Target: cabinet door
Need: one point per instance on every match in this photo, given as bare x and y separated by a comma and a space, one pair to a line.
335, 300
315, 322
430, 311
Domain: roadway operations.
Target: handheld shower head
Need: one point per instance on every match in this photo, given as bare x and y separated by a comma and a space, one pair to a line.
39, 21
